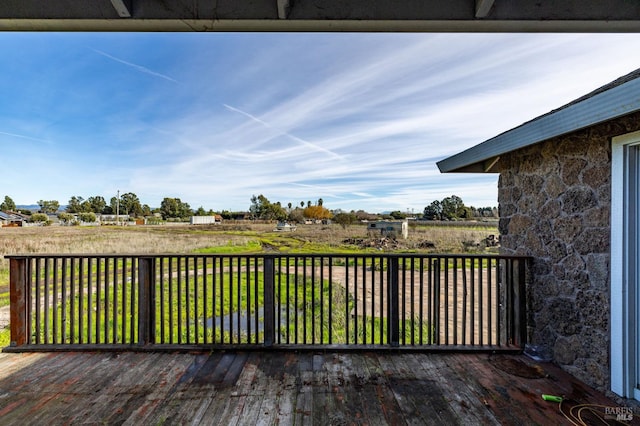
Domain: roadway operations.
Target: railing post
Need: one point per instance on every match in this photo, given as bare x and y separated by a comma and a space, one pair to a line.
436, 301
18, 296
146, 300
269, 299
520, 302
393, 298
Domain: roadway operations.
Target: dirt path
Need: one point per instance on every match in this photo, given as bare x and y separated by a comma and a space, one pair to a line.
4, 317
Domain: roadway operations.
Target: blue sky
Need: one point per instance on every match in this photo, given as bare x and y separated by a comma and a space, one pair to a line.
358, 120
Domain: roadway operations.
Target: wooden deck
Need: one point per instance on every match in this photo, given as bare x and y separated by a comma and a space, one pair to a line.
320, 388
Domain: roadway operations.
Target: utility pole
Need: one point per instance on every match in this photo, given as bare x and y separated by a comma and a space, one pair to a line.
118, 209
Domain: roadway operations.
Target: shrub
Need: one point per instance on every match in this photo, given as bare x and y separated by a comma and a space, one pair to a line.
87, 217
39, 218
65, 218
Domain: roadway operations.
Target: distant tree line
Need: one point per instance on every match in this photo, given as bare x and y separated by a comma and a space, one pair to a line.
453, 208
128, 204
449, 208
262, 208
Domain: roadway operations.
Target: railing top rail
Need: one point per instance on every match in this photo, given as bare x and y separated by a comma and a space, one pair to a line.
264, 255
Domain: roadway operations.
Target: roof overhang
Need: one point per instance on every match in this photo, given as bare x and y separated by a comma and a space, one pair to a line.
607, 103
326, 15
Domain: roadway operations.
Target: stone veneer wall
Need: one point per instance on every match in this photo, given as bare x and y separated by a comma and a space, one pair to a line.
554, 202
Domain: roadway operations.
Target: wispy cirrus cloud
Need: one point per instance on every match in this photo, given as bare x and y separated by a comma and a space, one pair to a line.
284, 133
31, 138
137, 67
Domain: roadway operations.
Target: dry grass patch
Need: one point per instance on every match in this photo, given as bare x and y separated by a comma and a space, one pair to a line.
234, 237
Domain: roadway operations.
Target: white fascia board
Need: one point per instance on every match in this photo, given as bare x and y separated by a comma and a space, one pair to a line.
613, 103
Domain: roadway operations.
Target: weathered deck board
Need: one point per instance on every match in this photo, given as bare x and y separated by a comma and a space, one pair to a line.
247, 388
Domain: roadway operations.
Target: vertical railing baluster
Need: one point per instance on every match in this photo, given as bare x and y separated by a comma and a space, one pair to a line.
72, 298
81, 302
491, 304
248, 291
346, 298
269, 291
37, 303
89, 307
421, 306
481, 302
430, 303
465, 289
330, 304
412, 310
472, 285
179, 297
383, 323
446, 300
369, 318
296, 283
116, 305
105, 280
437, 271
229, 301
123, 310
313, 303
172, 305
161, 290
304, 300
322, 286
196, 318
499, 303
132, 301
64, 302
187, 300
455, 303
214, 283
146, 300
403, 301
356, 330
364, 300
98, 297
239, 298
197, 298
55, 311
46, 305
222, 296
393, 300
278, 300
205, 304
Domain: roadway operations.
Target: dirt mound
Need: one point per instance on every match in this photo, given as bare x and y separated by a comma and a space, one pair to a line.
385, 243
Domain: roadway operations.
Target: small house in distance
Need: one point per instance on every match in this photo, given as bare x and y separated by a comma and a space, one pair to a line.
284, 226
8, 219
205, 220
389, 229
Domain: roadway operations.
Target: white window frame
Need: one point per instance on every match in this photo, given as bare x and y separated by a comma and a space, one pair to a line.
624, 309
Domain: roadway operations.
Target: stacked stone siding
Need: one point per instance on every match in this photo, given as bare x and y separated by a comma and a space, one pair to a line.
554, 202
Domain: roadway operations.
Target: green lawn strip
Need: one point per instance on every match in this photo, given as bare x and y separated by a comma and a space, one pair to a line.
5, 337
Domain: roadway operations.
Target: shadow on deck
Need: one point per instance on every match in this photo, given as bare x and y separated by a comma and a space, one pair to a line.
244, 387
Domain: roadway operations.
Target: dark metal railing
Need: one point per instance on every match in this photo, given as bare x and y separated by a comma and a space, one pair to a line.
265, 300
